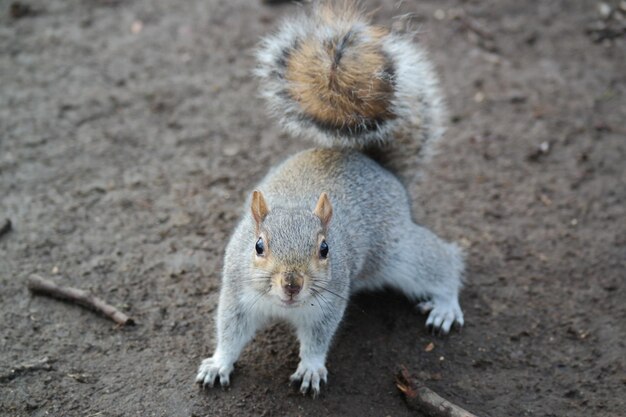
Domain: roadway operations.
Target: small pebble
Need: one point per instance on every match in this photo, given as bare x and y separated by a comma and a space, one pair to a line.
136, 27
439, 14
604, 9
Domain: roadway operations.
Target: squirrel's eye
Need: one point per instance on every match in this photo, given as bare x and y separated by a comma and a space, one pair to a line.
260, 246
323, 249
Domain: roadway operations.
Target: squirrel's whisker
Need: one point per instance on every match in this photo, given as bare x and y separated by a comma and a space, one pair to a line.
318, 295
256, 299
319, 287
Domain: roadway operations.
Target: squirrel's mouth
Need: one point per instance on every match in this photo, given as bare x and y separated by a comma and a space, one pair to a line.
290, 302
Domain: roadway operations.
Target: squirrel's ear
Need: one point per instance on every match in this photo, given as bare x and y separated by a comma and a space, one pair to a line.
323, 209
259, 207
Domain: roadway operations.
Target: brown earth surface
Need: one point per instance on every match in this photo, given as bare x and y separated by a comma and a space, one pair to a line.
131, 132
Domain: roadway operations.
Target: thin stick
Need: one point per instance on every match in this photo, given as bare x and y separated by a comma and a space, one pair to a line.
40, 285
424, 399
6, 227
36, 365
472, 26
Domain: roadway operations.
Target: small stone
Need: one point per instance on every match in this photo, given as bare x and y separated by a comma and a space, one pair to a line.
230, 150
545, 200
180, 218
136, 27
604, 9
465, 243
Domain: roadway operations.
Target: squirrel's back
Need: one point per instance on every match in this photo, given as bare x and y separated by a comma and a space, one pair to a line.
347, 175
333, 76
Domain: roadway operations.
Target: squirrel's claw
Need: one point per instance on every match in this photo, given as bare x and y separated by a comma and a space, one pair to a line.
442, 316
309, 377
210, 370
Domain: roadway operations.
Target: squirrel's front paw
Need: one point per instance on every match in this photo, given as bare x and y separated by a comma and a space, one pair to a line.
443, 314
311, 373
211, 368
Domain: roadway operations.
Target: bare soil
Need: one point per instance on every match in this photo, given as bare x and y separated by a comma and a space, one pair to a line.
131, 132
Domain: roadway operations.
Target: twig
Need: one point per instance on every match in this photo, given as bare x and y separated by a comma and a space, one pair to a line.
424, 399
6, 227
272, 2
36, 365
40, 285
472, 26
19, 10
602, 33
483, 37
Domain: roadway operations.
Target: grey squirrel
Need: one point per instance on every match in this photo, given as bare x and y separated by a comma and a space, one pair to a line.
331, 221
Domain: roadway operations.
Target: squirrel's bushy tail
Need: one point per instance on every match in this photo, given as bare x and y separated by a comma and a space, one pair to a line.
333, 76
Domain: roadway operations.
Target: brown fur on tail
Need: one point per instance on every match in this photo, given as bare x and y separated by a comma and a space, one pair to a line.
346, 82
333, 76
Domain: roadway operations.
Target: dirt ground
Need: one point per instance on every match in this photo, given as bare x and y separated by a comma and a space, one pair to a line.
131, 132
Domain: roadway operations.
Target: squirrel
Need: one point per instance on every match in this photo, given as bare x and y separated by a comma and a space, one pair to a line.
331, 221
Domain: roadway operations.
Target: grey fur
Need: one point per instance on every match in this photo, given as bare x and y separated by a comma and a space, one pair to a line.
373, 243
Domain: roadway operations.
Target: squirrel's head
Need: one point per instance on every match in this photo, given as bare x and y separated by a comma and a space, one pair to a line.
290, 252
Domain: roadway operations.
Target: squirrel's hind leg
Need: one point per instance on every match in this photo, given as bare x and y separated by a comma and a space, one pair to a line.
427, 268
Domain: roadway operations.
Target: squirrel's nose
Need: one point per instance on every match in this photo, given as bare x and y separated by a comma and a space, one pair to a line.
291, 288
292, 284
